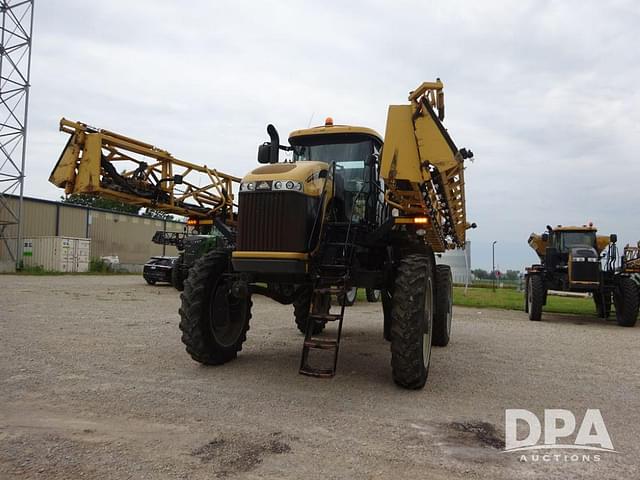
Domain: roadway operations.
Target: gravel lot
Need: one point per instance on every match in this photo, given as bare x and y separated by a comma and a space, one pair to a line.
95, 383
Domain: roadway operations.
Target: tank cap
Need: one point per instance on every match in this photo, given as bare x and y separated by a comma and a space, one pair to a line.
328, 122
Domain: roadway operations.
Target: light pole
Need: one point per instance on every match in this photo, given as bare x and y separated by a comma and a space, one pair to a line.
493, 263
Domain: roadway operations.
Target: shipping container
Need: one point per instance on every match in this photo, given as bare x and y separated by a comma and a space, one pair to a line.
57, 254
127, 236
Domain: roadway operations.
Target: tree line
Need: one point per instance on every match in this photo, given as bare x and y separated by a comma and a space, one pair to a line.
481, 274
94, 201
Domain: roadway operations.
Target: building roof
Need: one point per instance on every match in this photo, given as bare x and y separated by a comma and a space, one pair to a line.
85, 207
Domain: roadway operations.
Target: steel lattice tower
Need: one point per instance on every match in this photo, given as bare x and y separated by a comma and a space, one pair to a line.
15, 70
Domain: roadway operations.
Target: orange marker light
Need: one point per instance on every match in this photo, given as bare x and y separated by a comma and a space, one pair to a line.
192, 221
405, 220
328, 122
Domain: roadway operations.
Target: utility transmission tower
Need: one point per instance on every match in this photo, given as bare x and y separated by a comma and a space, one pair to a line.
15, 70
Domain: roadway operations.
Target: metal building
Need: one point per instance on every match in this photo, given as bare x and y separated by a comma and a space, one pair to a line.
125, 235
460, 262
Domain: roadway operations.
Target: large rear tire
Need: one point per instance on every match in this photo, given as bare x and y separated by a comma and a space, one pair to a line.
625, 298
214, 323
302, 307
177, 278
412, 321
373, 295
535, 297
443, 306
349, 298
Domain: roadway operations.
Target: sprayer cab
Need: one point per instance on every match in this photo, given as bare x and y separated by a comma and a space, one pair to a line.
577, 259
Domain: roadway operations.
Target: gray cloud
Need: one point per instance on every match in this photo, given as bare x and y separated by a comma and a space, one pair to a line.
545, 93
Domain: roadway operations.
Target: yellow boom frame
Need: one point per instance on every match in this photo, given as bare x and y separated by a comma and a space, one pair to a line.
423, 169
159, 181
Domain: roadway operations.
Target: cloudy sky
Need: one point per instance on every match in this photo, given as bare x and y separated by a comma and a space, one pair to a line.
545, 93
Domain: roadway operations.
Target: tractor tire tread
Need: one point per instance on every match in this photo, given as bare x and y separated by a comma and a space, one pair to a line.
194, 336
406, 330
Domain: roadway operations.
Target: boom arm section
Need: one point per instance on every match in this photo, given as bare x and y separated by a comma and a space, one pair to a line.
150, 177
632, 259
423, 169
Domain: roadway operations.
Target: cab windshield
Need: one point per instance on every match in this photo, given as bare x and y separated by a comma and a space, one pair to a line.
350, 160
353, 172
576, 239
341, 153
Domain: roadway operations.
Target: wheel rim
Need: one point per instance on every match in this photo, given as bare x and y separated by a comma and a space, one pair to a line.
226, 315
351, 294
428, 321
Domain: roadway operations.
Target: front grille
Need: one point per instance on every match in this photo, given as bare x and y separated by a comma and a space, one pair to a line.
585, 271
275, 221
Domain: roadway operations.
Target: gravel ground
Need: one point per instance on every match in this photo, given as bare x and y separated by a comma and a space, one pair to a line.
95, 383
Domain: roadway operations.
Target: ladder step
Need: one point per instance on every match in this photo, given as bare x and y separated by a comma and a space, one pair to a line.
330, 278
329, 317
317, 372
321, 344
334, 266
329, 290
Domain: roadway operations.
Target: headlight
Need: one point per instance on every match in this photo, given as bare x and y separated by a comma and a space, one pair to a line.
593, 259
579, 259
249, 186
287, 185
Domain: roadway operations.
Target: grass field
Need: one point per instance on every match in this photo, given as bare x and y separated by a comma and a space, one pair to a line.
510, 299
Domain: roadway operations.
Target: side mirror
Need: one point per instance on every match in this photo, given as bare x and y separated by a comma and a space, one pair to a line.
177, 179
275, 143
268, 152
613, 238
545, 237
264, 153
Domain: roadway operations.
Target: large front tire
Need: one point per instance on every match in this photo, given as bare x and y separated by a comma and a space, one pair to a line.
302, 307
535, 297
373, 295
412, 321
443, 306
626, 301
177, 278
214, 323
